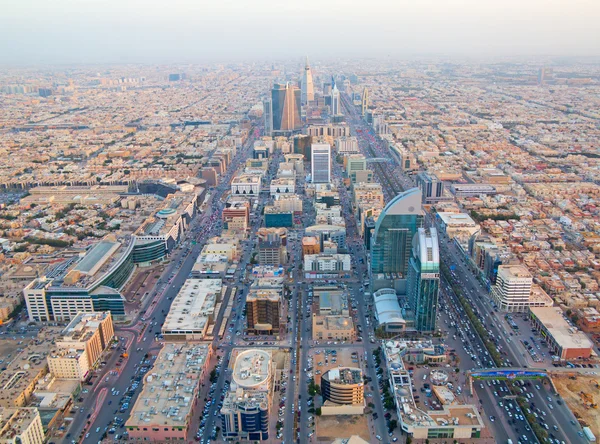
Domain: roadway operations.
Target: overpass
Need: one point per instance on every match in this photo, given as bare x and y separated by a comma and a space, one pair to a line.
515, 373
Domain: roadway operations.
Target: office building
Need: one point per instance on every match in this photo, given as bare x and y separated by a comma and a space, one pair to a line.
21, 426
333, 233
286, 105
335, 99
326, 263
271, 252
343, 391
278, 217
308, 91
387, 311
514, 290
431, 187
320, 163
396, 226
268, 116
246, 184
246, 407
82, 343
364, 102
423, 283
263, 311
166, 407
346, 145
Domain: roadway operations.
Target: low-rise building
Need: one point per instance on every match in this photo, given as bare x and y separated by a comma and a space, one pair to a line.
165, 408
327, 263
246, 185
565, 341
192, 310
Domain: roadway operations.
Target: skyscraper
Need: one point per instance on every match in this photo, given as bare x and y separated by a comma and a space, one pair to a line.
423, 284
320, 162
308, 90
364, 102
392, 238
286, 107
335, 99
268, 115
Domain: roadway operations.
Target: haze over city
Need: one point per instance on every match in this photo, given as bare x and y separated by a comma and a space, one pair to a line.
316, 222
155, 31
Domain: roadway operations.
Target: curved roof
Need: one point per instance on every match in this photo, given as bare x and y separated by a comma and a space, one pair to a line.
426, 248
251, 368
387, 308
325, 227
408, 202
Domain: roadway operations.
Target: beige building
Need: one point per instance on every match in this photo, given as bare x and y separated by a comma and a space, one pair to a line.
19, 380
69, 364
343, 391
334, 328
165, 408
82, 342
21, 426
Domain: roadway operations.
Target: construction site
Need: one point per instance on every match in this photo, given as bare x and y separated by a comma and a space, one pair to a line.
582, 395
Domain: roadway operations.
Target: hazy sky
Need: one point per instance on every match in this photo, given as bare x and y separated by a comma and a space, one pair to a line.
90, 31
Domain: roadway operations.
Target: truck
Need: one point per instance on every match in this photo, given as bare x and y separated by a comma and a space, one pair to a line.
588, 434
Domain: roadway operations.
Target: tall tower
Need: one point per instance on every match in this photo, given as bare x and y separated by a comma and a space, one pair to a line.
308, 90
286, 107
394, 231
365, 102
423, 285
268, 115
335, 99
320, 162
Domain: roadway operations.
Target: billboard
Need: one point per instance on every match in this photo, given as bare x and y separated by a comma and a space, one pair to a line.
509, 374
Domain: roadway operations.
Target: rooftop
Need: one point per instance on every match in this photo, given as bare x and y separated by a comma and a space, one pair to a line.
252, 369
563, 333
193, 306
344, 375
170, 387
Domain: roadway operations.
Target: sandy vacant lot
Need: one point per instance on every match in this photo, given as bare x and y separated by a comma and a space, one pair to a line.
570, 390
344, 426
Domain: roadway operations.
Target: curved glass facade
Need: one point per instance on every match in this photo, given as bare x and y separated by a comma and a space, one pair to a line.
395, 228
148, 251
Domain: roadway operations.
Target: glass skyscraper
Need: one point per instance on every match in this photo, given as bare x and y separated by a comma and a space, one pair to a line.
423, 284
286, 108
395, 228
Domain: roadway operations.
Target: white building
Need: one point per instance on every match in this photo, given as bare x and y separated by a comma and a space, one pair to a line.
246, 184
346, 145
514, 290
327, 263
282, 186
320, 163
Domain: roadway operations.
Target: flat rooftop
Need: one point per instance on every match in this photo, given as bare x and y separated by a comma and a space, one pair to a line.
193, 306
16, 421
83, 326
564, 334
344, 375
252, 369
170, 387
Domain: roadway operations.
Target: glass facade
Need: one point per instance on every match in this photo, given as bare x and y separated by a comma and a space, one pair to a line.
424, 280
393, 234
149, 251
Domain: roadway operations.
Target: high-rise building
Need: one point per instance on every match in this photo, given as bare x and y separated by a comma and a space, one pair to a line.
263, 311
245, 411
286, 106
335, 99
423, 284
308, 91
320, 162
431, 187
395, 228
268, 116
513, 288
364, 102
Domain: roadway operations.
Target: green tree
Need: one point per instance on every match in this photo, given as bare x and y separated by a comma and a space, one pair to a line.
318, 411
